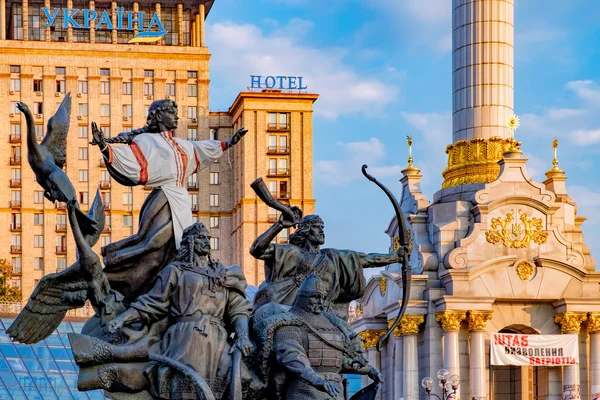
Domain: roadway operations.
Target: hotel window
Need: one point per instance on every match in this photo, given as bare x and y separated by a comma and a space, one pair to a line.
82, 87
126, 129
213, 222
15, 197
15, 131
192, 74
148, 88
15, 175
15, 240
83, 175
38, 263
105, 110
194, 218
16, 284
273, 187
105, 197
16, 265
127, 220
13, 108
15, 69
214, 200
61, 70
146, 110
38, 219
60, 86
37, 31
16, 153
127, 110
38, 240
192, 90
272, 143
104, 87
83, 153
61, 264
272, 166
17, 21
283, 146
192, 134
192, 112
38, 85
214, 243
82, 131
278, 120
213, 134
192, 181
104, 176
104, 240
83, 109
39, 131
186, 31
15, 84
126, 87
214, 178
38, 197
194, 201
127, 199
106, 130
170, 89
107, 221
149, 73
61, 220
283, 235
105, 71
16, 221
38, 108
282, 168
83, 197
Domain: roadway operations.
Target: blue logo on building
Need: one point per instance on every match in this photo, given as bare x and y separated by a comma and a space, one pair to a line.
125, 22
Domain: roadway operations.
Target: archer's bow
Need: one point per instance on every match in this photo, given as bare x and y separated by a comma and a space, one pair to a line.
406, 270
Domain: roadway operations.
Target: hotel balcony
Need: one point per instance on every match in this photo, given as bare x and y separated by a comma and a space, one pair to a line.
101, 162
15, 183
272, 217
15, 204
15, 227
107, 206
274, 150
15, 249
192, 185
107, 229
148, 188
278, 172
278, 127
15, 138
195, 207
104, 184
61, 228
283, 195
61, 249
15, 160
59, 205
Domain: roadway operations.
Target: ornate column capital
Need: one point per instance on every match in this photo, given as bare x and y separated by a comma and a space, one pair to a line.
450, 320
478, 319
570, 321
409, 324
397, 332
593, 323
370, 337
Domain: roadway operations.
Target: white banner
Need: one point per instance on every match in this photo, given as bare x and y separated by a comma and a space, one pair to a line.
509, 349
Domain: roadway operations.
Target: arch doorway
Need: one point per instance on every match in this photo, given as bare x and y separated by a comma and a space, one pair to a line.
519, 382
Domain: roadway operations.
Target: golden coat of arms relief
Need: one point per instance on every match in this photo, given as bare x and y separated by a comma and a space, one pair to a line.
516, 233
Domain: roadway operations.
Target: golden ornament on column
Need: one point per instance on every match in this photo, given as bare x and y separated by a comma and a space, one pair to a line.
593, 323
450, 320
478, 320
370, 337
570, 321
409, 324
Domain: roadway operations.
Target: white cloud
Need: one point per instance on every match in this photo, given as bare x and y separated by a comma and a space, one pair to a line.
563, 113
585, 89
582, 137
588, 203
344, 171
245, 50
436, 128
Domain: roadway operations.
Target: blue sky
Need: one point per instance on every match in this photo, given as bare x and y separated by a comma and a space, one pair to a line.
382, 69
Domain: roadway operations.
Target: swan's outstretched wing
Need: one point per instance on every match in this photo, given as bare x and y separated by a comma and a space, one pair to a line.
54, 295
55, 140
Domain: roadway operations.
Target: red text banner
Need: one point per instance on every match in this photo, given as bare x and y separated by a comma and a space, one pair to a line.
509, 349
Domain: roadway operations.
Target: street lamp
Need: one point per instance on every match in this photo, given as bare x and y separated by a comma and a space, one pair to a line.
448, 385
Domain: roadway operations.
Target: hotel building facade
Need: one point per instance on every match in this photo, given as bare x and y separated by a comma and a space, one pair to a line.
113, 82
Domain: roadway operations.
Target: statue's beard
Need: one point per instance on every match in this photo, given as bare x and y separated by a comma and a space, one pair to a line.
317, 240
315, 308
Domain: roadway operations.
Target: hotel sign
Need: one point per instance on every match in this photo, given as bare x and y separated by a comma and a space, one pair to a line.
125, 21
276, 82
550, 350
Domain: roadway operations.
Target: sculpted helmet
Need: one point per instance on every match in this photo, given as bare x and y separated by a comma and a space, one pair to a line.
312, 284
